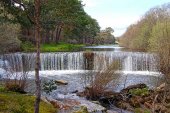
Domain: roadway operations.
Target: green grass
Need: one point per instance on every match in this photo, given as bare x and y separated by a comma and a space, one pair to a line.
60, 47
11, 102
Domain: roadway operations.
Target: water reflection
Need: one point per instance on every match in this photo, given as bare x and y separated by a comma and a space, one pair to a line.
115, 48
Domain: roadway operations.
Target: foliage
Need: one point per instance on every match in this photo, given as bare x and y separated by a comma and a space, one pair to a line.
60, 20
27, 46
9, 37
138, 36
18, 103
49, 86
151, 34
140, 92
105, 37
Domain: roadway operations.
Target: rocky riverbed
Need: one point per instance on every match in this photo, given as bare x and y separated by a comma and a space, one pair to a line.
133, 99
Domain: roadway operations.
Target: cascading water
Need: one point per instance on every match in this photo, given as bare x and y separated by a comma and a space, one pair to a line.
129, 61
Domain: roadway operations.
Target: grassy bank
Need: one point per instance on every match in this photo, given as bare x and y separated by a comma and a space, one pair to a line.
11, 102
60, 47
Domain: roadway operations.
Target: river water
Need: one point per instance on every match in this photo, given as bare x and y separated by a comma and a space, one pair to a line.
135, 67
77, 68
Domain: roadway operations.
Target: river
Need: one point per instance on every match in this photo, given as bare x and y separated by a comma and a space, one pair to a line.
73, 67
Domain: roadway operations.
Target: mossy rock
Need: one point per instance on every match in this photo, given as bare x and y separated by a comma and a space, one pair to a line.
82, 109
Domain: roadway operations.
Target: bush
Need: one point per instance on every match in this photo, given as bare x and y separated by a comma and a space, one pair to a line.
99, 82
14, 86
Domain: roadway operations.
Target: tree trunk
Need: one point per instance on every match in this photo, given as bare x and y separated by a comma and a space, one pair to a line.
37, 36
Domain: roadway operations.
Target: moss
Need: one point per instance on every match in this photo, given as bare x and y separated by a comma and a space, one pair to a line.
11, 102
140, 110
140, 92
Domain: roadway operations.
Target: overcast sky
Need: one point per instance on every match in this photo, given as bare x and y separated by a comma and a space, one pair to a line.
119, 14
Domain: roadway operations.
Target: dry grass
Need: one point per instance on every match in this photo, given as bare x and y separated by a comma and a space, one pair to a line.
100, 80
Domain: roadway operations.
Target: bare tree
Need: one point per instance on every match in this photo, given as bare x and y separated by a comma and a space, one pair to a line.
37, 68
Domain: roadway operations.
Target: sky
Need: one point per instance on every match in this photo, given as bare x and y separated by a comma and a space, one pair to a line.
119, 14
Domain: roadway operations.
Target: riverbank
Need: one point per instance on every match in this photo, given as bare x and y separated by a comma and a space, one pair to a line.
21, 103
60, 47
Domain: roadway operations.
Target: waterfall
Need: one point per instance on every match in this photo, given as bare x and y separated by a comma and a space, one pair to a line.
129, 61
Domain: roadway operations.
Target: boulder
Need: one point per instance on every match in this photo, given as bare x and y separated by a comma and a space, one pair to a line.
61, 82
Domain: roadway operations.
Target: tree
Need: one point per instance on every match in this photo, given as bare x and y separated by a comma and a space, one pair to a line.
105, 36
37, 36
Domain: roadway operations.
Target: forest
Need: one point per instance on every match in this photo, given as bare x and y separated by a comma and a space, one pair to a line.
151, 34
62, 21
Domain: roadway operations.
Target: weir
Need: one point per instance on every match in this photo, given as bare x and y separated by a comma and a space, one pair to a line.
129, 61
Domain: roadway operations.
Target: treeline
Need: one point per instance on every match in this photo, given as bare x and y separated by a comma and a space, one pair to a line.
61, 21
151, 33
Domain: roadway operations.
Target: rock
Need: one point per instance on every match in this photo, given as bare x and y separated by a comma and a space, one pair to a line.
92, 107
161, 88
88, 87
109, 111
140, 86
96, 102
81, 109
44, 99
81, 94
61, 82
76, 91
59, 105
63, 105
